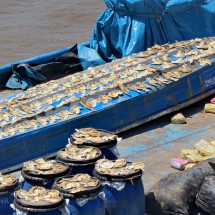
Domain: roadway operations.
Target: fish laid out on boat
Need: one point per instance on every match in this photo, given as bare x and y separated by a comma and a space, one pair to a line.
115, 96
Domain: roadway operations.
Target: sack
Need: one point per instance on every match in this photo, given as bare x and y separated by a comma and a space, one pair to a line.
205, 199
176, 193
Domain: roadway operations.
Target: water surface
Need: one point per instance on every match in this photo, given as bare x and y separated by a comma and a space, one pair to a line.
33, 27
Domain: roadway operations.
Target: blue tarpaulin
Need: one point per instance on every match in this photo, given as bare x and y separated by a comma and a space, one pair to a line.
130, 26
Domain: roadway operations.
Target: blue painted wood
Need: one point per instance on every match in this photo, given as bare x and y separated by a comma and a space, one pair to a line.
120, 114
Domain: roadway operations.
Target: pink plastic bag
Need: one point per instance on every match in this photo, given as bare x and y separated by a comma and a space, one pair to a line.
213, 100
178, 163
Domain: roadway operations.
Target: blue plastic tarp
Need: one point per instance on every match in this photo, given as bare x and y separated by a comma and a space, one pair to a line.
131, 26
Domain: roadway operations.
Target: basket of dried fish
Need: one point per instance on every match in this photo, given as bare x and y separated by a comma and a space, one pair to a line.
118, 170
39, 200
84, 193
42, 173
80, 160
8, 185
123, 186
104, 140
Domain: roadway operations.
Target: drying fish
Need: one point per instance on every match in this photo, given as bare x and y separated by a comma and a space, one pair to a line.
42, 167
69, 91
178, 61
208, 52
48, 100
26, 108
6, 180
204, 61
120, 163
152, 82
142, 55
192, 52
77, 183
10, 130
39, 195
165, 58
142, 86
75, 79
202, 46
179, 54
93, 92
150, 69
86, 105
150, 51
74, 153
157, 61
104, 98
133, 87
192, 59
75, 109
117, 167
170, 76
115, 93
139, 67
32, 123
167, 65
92, 85
42, 120
53, 118
184, 69
92, 102
20, 127
160, 79
104, 80
64, 114
36, 105
5, 116
3, 134
58, 96
123, 89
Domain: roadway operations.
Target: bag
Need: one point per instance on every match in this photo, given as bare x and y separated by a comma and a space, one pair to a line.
205, 199
176, 193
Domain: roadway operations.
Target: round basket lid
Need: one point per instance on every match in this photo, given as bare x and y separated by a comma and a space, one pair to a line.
74, 155
8, 183
44, 169
93, 137
117, 170
39, 198
78, 186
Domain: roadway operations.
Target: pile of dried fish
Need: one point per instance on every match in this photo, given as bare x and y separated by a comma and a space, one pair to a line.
42, 167
72, 152
6, 181
85, 135
77, 183
38, 196
119, 167
62, 99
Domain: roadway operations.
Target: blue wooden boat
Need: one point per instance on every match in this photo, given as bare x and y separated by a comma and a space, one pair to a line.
128, 109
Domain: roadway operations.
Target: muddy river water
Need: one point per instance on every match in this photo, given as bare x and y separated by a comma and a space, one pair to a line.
33, 27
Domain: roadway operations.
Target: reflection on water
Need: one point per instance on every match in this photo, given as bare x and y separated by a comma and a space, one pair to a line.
32, 27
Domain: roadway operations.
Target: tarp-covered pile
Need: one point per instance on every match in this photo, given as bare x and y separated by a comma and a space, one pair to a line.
130, 26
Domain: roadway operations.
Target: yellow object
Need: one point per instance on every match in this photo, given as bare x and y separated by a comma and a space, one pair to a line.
178, 119
189, 166
185, 152
194, 158
205, 148
212, 143
209, 108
